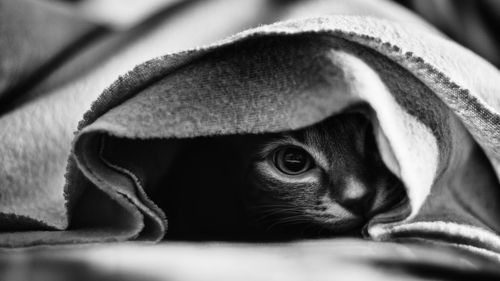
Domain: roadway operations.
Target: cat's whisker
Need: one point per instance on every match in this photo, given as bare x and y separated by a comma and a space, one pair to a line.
294, 218
315, 179
270, 214
262, 206
283, 209
289, 221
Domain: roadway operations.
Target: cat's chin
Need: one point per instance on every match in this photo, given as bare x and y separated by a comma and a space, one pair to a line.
311, 229
351, 228
344, 226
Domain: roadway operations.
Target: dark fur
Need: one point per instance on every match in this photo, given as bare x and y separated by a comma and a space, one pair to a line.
326, 202
226, 188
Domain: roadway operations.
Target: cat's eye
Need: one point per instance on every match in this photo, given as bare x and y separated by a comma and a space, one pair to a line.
292, 160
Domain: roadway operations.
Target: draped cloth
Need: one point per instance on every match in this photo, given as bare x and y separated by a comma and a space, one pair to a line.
434, 109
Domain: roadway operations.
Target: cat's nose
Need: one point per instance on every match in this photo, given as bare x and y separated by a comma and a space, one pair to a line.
355, 195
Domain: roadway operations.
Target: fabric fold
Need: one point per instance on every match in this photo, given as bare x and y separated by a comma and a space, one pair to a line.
293, 74
435, 120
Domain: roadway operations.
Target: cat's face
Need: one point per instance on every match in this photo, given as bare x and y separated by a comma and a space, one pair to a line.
329, 176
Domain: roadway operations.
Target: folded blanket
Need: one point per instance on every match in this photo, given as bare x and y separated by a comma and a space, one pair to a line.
435, 121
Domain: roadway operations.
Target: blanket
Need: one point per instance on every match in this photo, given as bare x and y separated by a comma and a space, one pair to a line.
435, 120
305, 260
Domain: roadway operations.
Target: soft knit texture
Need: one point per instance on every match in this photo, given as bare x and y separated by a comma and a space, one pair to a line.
435, 119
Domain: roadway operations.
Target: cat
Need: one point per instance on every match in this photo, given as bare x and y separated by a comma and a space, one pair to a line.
323, 180
327, 179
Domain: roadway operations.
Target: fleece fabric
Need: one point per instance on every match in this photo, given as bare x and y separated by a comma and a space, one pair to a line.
434, 110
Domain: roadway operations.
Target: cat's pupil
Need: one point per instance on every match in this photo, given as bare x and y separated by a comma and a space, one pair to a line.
292, 160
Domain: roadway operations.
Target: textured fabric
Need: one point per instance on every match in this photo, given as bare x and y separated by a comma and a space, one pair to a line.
319, 67
435, 119
36, 38
331, 259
